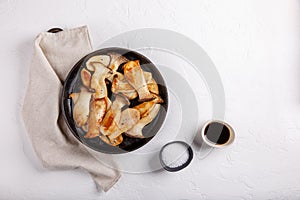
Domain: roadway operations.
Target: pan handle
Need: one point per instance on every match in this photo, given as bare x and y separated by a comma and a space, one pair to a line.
55, 30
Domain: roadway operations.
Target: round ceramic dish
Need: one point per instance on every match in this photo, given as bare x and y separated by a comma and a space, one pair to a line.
210, 143
72, 85
180, 166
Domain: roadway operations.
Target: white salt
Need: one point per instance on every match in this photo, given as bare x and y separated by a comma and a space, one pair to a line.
175, 155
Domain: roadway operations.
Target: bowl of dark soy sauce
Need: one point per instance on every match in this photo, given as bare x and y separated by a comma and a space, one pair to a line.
217, 133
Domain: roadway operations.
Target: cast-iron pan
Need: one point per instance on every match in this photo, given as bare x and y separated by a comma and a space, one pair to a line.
72, 85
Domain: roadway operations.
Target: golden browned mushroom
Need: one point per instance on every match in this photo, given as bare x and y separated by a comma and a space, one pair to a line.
120, 85
103, 59
130, 95
151, 83
129, 117
98, 108
117, 122
152, 86
145, 107
113, 115
85, 127
81, 106
135, 77
116, 61
148, 76
105, 139
98, 80
136, 131
85, 77
116, 141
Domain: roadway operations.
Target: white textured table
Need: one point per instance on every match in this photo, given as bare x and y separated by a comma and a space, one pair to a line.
256, 48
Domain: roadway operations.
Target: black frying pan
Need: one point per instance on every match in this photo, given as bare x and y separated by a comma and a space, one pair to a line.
73, 82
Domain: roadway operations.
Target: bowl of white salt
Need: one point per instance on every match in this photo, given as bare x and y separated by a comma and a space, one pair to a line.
175, 156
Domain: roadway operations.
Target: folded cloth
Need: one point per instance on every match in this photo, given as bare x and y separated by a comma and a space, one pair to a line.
55, 54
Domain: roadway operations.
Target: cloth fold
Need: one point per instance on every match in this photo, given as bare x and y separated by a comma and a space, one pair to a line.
54, 56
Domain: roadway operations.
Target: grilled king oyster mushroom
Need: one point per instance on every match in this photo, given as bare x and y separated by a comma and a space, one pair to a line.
113, 115
115, 141
98, 108
121, 85
85, 127
116, 122
103, 59
135, 77
85, 76
136, 131
152, 86
129, 118
116, 61
98, 80
145, 107
81, 106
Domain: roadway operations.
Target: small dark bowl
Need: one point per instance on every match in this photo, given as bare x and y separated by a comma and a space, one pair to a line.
175, 169
73, 83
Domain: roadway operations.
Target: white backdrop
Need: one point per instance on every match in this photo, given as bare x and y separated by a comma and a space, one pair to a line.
255, 47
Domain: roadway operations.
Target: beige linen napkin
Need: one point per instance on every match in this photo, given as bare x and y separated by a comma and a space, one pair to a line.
54, 56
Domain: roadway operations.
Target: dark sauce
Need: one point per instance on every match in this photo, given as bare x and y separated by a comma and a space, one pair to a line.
217, 133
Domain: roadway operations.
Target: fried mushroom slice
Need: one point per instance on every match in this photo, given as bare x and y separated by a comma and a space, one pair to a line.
145, 107
85, 76
129, 117
153, 87
98, 80
98, 109
103, 59
148, 76
130, 95
105, 139
116, 141
136, 131
135, 77
116, 61
151, 83
120, 85
81, 106
113, 115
